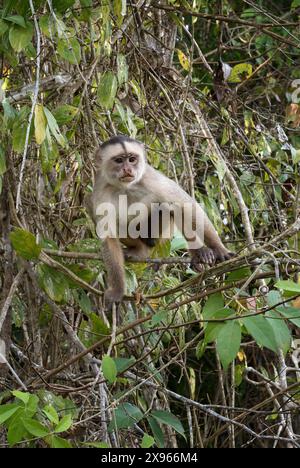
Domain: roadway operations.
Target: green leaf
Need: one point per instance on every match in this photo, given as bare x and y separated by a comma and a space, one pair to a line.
3, 27
213, 304
65, 114
261, 331
53, 282
228, 342
281, 330
16, 432
51, 414
157, 432
164, 417
64, 424
212, 329
59, 442
16, 19
109, 369
147, 441
35, 428
2, 161
289, 286
6, 411
295, 4
40, 124
122, 69
22, 396
125, 416
69, 50
20, 37
123, 363
24, 244
62, 5
119, 8
240, 72
107, 90
54, 128
290, 313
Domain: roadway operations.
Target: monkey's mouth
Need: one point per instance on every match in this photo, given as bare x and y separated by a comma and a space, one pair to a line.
127, 178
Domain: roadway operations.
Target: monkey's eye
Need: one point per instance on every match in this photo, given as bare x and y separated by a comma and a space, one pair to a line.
119, 160
132, 159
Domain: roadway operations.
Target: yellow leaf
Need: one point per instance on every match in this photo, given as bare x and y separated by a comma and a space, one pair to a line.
241, 356
184, 61
40, 124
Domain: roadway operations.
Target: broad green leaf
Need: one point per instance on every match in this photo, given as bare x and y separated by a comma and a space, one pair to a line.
228, 342
54, 128
53, 282
109, 369
32, 406
64, 424
59, 442
16, 432
16, 19
119, 9
107, 90
3, 27
288, 286
290, 313
122, 69
164, 417
212, 329
6, 411
51, 414
62, 5
40, 124
24, 244
20, 37
261, 331
295, 4
156, 431
147, 441
69, 50
240, 72
213, 304
281, 330
2, 161
123, 363
19, 135
184, 61
125, 416
21, 396
65, 113
49, 154
35, 428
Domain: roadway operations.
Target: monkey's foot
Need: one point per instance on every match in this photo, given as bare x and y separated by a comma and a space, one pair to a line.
200, 257
222, 254
112, 296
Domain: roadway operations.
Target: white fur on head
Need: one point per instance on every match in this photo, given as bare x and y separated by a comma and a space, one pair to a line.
121, 148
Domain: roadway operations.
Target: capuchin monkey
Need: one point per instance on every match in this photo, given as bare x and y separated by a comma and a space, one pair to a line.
123, 174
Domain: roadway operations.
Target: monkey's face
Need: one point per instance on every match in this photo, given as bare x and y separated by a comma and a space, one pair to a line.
123, 165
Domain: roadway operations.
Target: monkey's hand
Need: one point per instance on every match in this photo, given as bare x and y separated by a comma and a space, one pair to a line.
209, 256
112, 296
222, 254
205, 255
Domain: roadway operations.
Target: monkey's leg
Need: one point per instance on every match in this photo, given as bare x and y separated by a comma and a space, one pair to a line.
113, 258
